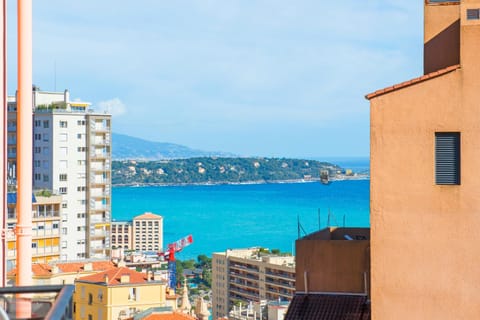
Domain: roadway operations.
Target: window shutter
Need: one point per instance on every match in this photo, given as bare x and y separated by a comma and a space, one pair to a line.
447, 158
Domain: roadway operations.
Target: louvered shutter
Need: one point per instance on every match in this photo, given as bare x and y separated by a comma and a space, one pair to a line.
447, 158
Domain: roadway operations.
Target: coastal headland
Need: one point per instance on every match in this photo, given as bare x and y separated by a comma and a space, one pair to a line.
214, 170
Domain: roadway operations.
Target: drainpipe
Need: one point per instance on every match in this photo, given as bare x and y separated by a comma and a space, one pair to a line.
3, 135
24, 155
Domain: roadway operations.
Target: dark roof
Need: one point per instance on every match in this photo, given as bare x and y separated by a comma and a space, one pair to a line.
328, 307
12, 198
413, 81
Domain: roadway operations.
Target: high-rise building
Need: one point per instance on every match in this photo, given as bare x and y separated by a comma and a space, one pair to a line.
425, 151
250, 275
71, 158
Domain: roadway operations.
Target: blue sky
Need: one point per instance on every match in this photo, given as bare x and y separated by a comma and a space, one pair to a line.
251, 77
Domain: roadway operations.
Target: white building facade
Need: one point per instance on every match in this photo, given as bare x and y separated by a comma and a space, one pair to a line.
72, 158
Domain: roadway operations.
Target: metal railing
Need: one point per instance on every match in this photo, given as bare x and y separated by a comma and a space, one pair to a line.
58, 308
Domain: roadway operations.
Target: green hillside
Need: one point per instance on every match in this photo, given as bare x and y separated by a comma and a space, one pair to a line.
216, 170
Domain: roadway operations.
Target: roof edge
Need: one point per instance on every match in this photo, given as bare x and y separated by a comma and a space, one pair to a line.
411, 82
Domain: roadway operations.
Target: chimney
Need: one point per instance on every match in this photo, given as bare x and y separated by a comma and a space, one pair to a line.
125, 278
55, 269
106, 278
88, 267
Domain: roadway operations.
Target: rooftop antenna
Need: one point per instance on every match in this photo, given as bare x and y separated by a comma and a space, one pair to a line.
319, 220
299, 227
55, 75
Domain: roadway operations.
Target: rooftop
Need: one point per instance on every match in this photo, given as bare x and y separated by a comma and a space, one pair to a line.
328, 307
42, 269
412, 81
117, 276
148, 215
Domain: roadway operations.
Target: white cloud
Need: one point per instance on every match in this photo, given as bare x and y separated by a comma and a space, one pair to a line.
113, 106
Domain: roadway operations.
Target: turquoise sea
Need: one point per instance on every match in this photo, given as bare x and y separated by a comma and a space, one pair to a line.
238, 216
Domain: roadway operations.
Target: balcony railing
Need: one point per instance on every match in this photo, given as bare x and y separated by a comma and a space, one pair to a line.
58, 308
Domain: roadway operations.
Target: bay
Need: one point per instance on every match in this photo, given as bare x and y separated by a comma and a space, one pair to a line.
239, 216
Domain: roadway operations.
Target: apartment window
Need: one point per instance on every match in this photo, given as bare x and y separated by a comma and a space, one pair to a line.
64, 244
90, 300
81, 122
81, 149
62, 177
45, 151
80, 215
55, 225
45, 137
38, 149
38, 123
45, 164
38, 136
447, 158
473, 14
82, 188
46, 124
45, 178
38, 177
133, 295
64, 205
63, 124
62, 190
64, 230
37, 163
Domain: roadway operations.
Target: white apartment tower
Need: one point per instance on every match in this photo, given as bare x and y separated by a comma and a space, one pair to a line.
72, 158
250, 275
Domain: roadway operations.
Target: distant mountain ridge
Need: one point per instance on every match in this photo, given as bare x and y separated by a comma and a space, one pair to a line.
126, 147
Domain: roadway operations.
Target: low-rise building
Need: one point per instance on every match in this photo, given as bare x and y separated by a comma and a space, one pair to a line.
250, 275
332, 275
118, 293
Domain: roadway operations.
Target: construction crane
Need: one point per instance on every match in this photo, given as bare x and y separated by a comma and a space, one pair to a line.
169, 255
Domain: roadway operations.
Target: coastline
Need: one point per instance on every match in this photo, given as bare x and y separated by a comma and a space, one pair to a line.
217, 183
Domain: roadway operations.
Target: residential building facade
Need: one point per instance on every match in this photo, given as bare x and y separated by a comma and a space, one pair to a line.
424, 189
46, 226
118, 293
71, 158
122, 235
249, 275
148, 232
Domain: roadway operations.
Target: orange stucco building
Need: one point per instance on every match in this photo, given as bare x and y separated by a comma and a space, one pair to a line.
425, 193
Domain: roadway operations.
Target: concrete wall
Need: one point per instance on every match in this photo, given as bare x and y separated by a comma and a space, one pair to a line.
424, 253
332, 265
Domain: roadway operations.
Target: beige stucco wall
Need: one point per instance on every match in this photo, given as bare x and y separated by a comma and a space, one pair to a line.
424, 253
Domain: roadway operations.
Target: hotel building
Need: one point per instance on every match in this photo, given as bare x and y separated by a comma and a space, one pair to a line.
425, 152
148, 232
71, 158
249, 275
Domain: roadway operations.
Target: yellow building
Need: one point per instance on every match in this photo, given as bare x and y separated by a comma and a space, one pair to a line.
118, 293
46, 222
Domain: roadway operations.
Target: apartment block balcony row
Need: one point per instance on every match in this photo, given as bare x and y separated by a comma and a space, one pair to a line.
242, 266
244, 283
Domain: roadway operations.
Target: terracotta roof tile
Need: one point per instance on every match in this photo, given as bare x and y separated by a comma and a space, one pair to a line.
40, 269
328, 307
412, 81
175, 315
114, 275
148, 215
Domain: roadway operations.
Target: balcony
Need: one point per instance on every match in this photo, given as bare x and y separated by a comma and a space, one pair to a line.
59, 307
